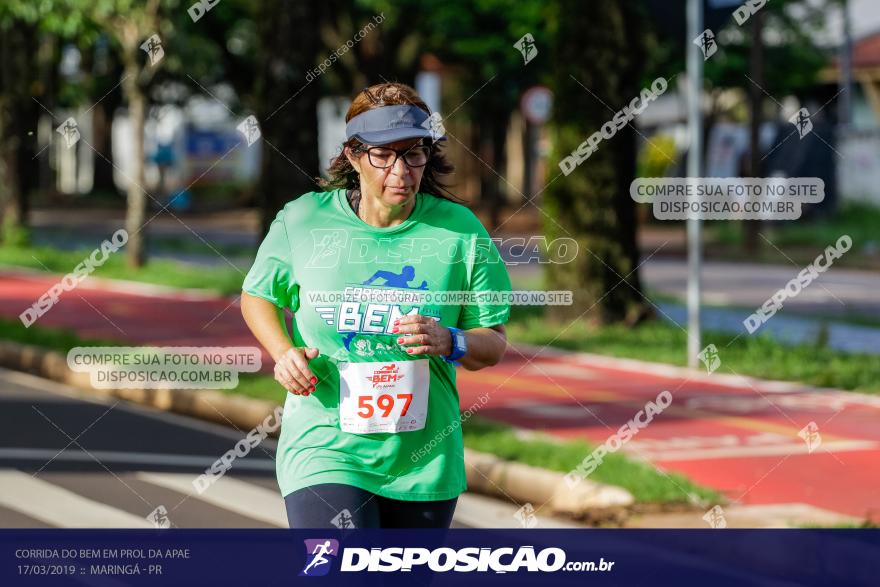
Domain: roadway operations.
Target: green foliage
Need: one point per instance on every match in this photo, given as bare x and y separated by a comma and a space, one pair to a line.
224, 280
791, 59
656, 156
56, 339
15, 235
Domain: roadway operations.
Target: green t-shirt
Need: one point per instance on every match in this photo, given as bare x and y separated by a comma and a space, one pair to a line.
317, 244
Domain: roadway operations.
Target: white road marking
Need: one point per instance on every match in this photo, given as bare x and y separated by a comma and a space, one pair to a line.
60, 507
247, 499
32, 382
130, 458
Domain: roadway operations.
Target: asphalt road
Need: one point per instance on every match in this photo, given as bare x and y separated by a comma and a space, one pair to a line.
70, 461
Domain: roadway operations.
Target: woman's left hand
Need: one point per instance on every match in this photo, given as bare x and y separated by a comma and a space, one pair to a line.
428, 336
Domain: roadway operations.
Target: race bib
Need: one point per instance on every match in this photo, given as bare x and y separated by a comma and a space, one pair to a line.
380, 396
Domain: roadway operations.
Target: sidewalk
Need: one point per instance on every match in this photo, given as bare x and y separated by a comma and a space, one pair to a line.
819, 307
849, 338
822, 306
740, 436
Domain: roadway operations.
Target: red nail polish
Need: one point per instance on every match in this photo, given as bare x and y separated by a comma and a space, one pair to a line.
394, 329
312, 388
314, 379
409, 350
305, 393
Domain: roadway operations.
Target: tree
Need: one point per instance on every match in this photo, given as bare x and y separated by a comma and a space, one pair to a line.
474, 39
390, 49
287, 102
479, 38
104, 71
768, 71
18, 41
132, 23
596, 45
29, 36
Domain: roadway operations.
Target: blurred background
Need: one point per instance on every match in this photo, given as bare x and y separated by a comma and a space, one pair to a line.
192, 123
519, 86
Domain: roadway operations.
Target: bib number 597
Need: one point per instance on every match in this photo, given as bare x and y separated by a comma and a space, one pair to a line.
383, 396
385, 403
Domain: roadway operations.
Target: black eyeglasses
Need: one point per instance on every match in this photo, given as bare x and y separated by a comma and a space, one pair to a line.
383, 157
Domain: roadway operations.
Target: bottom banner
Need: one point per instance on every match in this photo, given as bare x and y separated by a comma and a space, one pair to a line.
436, 557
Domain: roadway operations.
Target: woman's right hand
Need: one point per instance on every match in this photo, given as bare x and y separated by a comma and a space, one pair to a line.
292, 370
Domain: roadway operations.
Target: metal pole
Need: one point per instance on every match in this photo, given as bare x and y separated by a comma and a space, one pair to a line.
695, 153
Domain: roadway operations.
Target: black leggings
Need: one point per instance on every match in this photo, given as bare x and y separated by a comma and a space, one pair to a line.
333, 505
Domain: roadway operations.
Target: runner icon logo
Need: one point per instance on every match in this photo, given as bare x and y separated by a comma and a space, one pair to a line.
715, 517
811, 436
318, 556
710, 358
343, 520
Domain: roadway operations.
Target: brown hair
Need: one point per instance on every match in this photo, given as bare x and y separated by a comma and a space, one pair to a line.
343, 175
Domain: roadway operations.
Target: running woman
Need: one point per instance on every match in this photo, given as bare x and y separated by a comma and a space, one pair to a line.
371, 434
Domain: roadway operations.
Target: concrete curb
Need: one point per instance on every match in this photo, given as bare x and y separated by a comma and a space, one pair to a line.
491, 475
486, 473
211, 405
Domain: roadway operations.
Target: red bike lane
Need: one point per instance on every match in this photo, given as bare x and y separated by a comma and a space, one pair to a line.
757, 442
744, 437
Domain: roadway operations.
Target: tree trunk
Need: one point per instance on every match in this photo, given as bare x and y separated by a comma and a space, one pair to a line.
17, 119
107, 99
499, 145
598, 45
756, 101
287, 103
102, 132
137, 198
10, 193
488, 186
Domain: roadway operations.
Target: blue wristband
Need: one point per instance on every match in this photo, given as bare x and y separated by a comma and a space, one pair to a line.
459, 346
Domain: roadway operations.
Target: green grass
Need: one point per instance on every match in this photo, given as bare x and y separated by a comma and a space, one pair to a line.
859, 221
662, 342
225, 280
867, 524
56, 339
646, 483
189, 245
258, 386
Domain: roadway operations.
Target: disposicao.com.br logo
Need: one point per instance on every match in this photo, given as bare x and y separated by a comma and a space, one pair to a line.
440, 560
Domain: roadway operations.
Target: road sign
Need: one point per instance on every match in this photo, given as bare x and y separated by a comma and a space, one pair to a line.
536, 104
